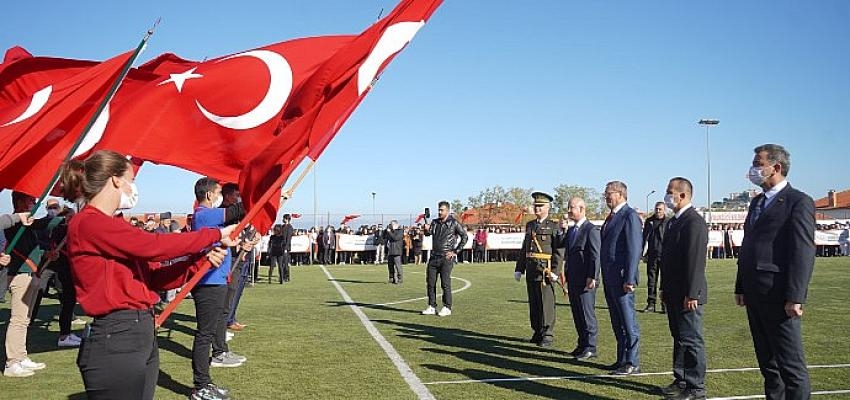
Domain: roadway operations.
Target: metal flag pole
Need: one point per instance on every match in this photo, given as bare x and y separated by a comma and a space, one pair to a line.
98, 111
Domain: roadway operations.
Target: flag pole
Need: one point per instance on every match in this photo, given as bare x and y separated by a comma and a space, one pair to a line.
98, 111
160, 319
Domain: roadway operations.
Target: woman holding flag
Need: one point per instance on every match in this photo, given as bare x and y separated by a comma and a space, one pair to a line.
117, 274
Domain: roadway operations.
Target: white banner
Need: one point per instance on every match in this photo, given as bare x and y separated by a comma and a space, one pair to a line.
505, 241
737, 237
715, 238
830, 238
300, 244
346, 242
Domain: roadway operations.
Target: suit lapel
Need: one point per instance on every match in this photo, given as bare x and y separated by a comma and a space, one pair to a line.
776, 206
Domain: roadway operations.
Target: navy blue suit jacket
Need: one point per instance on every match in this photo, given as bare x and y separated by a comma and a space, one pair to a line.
622, 245
583, 256
777, 256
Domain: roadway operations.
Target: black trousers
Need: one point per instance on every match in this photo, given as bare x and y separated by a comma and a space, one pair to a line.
438, 264
394, 268
652, 272
283, 267
582, 304
4, 284
119, 359
688, 346
211, 330
778, 343
541, 306
67, 297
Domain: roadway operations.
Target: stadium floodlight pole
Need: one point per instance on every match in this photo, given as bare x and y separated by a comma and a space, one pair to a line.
708, 124
374, 213
647, 203
86, 129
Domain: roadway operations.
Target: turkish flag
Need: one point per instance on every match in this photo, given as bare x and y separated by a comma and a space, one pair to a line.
45, 103
212, 117
324, 101
419, 217
348, 218
295, 216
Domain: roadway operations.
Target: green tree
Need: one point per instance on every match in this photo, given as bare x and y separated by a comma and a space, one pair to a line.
521, 197
457, 207
592, 199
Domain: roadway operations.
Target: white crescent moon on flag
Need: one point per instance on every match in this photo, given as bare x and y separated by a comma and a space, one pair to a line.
39, 99
394, 38
94, 134
280, 85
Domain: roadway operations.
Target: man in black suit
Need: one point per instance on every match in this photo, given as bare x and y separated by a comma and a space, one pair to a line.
684, 291
395, 244
582, 242
653, 237
286, 231
775, 266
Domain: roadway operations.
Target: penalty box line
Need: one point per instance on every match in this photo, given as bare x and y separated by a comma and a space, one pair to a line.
583, 377
412, 380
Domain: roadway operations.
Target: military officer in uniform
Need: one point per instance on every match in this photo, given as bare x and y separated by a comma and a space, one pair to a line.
541, 260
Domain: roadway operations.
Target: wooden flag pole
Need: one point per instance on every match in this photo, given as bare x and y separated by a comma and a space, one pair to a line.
160, 319
98, 111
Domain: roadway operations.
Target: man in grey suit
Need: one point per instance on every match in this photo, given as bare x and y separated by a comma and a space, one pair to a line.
582, 276
684, 291
775, 266
620, 253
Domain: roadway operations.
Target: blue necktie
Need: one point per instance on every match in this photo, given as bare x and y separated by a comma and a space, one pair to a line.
759, 208
571, 236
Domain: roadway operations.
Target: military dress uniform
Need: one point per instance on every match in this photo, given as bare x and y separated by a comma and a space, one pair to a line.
541, 254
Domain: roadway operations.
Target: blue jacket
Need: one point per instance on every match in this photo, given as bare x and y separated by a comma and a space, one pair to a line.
622, 245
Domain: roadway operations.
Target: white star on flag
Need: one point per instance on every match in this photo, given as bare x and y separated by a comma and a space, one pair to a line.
179, 79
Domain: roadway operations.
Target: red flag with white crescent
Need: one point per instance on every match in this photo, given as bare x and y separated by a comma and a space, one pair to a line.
325, 100
45, 104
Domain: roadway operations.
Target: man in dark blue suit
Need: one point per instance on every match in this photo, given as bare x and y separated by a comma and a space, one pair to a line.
620, 254
775, 266
684, 291
582, 276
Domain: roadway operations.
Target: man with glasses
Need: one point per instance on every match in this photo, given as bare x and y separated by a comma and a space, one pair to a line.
541, 259
620, 253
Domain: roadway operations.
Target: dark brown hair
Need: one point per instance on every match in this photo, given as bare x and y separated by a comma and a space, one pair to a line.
87, 178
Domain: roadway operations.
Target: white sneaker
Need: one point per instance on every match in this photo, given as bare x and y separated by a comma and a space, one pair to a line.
429, 311
71, 340
15, 370
445, 312
32, 365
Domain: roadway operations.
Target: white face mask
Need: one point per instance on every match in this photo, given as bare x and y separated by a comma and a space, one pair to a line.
129, 201
669, 201
217, 202
756, 176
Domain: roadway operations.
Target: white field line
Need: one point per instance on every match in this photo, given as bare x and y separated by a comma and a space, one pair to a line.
761, 396
412, 380
581, 377
466, 285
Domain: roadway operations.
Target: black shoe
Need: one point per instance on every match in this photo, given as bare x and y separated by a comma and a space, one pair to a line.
686, 395
576, 351
612, 367
673, 389
536, 339
649, 308
627, 369
663, 309
587, 355
546, 343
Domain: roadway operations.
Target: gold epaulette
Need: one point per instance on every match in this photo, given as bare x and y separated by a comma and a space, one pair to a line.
540, 256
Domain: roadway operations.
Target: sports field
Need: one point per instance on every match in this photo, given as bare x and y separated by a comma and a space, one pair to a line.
342, 332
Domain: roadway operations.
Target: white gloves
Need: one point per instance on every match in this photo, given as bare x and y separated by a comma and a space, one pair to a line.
553, 276
517, 275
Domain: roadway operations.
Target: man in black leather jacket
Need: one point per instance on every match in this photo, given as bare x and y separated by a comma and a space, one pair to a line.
448, 239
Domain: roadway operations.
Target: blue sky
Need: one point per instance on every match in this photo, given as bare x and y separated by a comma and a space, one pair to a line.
530, 94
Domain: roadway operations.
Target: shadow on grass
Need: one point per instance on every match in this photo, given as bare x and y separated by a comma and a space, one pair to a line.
371, 306
78, 396
507, 353
165, 381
